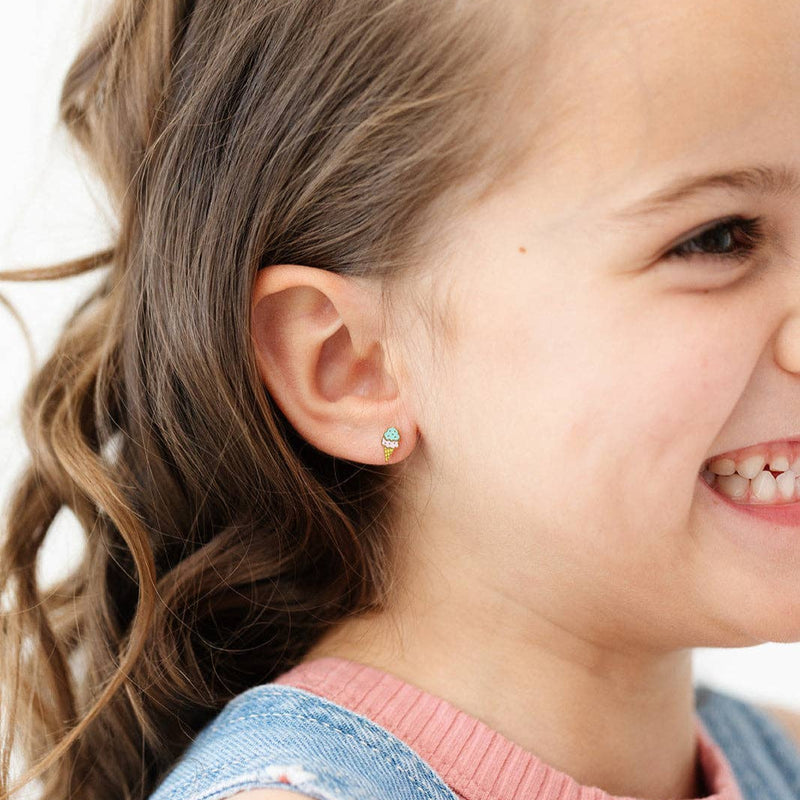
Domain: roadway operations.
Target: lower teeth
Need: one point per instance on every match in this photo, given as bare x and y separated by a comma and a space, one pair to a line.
740, 490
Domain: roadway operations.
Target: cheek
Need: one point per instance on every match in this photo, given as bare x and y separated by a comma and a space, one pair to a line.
577, 396
617, 413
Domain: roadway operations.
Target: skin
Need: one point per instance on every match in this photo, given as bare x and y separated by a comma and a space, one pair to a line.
551, 440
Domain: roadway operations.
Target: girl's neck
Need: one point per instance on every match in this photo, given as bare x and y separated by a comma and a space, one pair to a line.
547, 705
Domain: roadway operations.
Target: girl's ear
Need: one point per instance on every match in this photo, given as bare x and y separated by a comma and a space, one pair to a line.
317, 342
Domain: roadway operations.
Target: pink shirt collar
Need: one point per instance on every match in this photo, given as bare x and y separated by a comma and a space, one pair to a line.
476, 761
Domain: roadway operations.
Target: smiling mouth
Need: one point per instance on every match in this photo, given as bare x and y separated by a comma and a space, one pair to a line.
766, 489
762, 474
752, 481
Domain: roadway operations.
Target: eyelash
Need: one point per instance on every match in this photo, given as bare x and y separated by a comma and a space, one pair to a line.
752, 235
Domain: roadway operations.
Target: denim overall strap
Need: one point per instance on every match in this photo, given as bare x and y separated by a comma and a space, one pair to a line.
280, 736
765, 761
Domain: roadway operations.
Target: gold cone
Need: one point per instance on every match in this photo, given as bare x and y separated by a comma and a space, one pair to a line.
387, 451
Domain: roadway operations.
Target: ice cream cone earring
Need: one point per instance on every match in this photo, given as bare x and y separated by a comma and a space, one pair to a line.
390, 440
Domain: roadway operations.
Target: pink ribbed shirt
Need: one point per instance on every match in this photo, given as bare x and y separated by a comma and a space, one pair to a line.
476, 761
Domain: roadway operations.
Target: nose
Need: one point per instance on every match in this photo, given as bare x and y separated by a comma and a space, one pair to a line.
787, 342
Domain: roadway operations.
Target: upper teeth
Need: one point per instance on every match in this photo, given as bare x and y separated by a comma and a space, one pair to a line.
751, 466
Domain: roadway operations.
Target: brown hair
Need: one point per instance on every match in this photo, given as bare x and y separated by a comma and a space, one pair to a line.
219, 545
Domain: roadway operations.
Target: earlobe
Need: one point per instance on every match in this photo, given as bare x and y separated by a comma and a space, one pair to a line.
318, 349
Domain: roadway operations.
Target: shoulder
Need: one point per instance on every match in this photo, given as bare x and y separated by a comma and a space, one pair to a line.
270, 794
789, 719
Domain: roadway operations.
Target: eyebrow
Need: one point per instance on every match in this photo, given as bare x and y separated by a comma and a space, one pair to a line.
778, 181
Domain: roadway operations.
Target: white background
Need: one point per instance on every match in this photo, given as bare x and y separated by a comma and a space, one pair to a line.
50, 210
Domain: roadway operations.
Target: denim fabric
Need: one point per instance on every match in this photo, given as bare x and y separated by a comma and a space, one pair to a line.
280, 736
765, 761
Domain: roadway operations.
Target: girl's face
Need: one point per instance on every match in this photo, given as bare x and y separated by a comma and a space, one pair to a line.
591, 374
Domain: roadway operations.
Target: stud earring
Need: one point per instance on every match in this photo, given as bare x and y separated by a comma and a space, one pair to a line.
390, 441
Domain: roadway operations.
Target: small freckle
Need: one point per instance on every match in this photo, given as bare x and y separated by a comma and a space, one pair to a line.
522, 250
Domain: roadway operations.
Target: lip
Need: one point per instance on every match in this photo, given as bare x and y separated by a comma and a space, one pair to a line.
768, 531
783, 513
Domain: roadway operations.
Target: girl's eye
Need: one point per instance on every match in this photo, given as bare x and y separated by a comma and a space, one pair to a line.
732, 238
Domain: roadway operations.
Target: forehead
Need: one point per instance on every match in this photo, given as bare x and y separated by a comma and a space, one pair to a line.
633, 90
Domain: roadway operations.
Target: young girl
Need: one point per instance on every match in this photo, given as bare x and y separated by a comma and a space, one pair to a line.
442, 393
